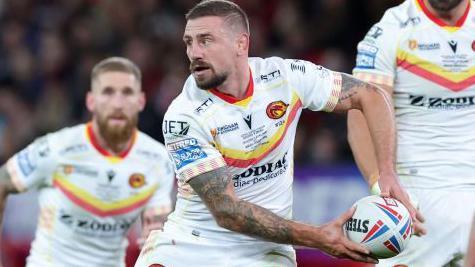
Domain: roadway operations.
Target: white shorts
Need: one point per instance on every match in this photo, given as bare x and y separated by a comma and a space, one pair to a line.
173, 248
448, 216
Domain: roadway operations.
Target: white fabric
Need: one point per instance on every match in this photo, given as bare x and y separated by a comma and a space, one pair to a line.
87, 200
253, 138
434, 93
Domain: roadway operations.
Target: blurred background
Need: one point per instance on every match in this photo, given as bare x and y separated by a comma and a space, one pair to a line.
48, 47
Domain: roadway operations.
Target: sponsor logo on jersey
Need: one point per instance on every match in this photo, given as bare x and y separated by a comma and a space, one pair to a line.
248, 121
254, 138
78, 148
43, 147
453, 45
91, 226
413, 21
80, 170
110, 175
444, 103
185, 152
204, 106
413, 44
175, 127
276, 109
366, 55
137, 180
270, 76
374, 32
68, 169
261, 173
297, 65
224, 129
26, 161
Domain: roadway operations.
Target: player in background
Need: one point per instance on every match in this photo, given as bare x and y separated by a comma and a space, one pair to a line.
470, 259
231, 133
422, 52
96, 179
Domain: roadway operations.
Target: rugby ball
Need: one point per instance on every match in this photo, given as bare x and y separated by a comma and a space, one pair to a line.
383, 225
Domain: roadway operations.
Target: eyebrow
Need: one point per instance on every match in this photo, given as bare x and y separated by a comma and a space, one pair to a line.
198, 36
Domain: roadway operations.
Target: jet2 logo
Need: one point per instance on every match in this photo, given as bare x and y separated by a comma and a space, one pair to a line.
175, 127
447, 103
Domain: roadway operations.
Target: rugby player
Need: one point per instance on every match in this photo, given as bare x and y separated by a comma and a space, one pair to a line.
231, 133
422, 52
470, 260
96, 179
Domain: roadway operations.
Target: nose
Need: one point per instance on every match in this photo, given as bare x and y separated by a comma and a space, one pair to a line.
118, 101
194, 51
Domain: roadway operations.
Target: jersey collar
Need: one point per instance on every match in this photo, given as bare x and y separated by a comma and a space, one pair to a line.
233, 100
91, 137
440, 22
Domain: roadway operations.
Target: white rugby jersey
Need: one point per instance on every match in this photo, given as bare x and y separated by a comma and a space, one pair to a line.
432, 69
253, 137
87, 198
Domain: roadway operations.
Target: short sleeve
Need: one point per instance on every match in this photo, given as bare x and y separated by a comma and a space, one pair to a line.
33, 165
161, 200
317, 87
376, 53
189, 145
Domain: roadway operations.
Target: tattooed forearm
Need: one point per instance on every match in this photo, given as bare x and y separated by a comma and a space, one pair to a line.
350, 86
215, 188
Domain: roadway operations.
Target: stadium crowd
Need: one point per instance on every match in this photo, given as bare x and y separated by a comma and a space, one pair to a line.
48, 47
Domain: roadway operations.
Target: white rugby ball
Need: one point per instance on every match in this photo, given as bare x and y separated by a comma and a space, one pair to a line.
383, 225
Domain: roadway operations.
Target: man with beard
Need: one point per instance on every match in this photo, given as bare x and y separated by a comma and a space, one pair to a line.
231, 133
423, 53
94, 179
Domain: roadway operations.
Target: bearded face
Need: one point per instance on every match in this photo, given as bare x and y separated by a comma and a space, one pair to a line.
206, 76
115, 102
211, 47
116, 128
444, 5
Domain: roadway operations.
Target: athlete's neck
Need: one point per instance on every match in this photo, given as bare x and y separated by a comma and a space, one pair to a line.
450, 17
237, 82
113, 148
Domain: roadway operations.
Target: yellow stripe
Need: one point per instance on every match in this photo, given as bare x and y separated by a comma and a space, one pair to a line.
244, 102
98, 203
242, 154
435, 69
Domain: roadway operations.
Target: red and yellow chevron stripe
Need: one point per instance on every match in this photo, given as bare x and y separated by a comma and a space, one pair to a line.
243, 159
96, 206
455, 81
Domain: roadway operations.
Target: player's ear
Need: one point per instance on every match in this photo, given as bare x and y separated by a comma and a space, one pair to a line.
243, 44
90, 103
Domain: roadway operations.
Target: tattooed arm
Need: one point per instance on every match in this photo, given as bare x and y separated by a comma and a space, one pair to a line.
375, 130
217, 192
375, 105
